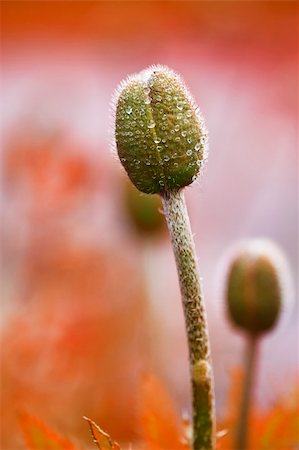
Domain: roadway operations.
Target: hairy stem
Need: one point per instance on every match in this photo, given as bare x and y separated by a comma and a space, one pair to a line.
195, 319
241, 442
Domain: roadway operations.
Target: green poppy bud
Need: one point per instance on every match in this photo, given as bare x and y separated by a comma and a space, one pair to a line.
160, 135
143, 211
254, 291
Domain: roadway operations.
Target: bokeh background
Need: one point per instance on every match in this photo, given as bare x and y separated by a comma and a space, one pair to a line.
88, 304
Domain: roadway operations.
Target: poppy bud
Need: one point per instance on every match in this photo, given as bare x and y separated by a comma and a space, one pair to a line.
160, 135
253, 291
143, 211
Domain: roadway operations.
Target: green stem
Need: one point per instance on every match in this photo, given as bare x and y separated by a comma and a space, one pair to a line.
195, 319
241, 442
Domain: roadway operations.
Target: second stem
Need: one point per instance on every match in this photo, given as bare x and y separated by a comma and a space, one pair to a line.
241, 442
195, 319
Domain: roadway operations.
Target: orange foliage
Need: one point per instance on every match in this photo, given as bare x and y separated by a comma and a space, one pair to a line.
161, 426
39, 436
58, 348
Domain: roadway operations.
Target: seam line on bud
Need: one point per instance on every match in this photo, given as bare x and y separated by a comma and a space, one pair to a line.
154, 133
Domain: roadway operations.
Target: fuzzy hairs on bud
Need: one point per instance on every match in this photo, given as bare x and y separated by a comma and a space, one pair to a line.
158, 131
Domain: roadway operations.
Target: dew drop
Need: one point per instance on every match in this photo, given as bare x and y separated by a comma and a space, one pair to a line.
184, 133
166, 158
197, 147
177, 138
151, 125
179, 106
176, 128
157, 140
129, 110
179, 116
189, 140
147, 90
189, 113
158, 98
163, 140
189, 152
147, 162
164, 117
159, 148
147, 101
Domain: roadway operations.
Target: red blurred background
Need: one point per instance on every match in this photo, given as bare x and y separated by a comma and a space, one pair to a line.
87, 306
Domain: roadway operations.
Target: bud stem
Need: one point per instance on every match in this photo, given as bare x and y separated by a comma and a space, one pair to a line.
195, 319
241, 442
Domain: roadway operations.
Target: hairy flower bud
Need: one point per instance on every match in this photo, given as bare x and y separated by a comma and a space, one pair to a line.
160, 135
253, 291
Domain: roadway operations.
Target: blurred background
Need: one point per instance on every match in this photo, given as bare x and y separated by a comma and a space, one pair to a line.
90, 303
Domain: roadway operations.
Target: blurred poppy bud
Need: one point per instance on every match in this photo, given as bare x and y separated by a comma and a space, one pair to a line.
143, 211
160, 135
253, 291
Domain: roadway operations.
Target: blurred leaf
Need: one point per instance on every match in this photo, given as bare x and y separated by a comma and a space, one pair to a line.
102, 439
38, 436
